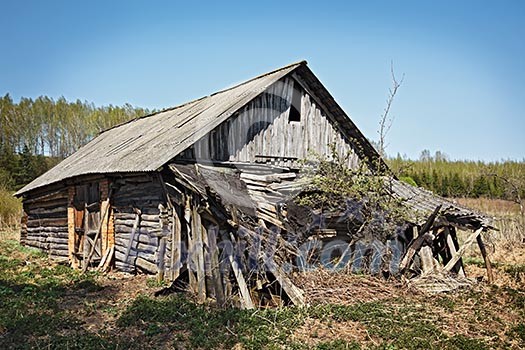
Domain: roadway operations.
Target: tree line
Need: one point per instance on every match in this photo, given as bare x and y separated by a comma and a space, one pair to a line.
463, 178
36, 134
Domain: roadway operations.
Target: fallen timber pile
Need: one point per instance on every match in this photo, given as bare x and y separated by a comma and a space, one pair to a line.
236, 235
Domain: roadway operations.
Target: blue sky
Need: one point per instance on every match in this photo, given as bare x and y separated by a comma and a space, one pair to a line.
463, 61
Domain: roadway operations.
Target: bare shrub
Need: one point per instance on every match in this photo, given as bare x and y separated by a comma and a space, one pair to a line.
10, 210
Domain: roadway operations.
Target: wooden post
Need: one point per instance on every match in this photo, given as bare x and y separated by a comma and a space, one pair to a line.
107, 230
161, 255
190, 260
175, 245
199, 254
215, 268
488, 265
71, 227
210, 289
85, 241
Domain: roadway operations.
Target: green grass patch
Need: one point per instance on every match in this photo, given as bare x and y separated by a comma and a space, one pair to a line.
30, 294
519, 331
338, 345
34, 314
209, 327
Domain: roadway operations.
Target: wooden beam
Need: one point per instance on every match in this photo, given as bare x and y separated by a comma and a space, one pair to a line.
175, 245
246, 300
132, 234
412, 250
199, 254
295, 294
106, 230
452, 248
215, 268
160, 263
190, 260
71, 228
417, 243
462, 250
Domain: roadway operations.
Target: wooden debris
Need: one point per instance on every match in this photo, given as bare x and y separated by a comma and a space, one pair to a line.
451, 245
462, 250
416, 244
246, 300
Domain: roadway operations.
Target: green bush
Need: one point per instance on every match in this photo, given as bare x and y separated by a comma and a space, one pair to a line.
408, 180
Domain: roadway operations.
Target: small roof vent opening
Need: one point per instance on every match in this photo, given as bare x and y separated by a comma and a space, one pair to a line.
295, 107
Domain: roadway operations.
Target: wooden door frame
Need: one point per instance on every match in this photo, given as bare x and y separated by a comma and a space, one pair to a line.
107, 236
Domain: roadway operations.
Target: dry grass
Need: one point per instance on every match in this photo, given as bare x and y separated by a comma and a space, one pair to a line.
346, 310
10, 210
9, 234
506, 246
498, 207
51, 306
343, 288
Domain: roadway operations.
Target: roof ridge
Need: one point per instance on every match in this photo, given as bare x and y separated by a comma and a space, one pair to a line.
302, 62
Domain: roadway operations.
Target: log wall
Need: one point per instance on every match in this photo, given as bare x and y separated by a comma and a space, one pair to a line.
136, 222
263, 132
45, 223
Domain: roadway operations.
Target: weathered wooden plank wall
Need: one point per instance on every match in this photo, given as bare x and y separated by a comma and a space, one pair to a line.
45, 223
136, 223
262, 131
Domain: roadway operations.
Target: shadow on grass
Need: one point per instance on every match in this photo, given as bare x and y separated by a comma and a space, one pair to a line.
32, 296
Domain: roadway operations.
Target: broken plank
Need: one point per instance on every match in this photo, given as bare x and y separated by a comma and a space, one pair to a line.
295, 294
452, 249
462, 250
246, 300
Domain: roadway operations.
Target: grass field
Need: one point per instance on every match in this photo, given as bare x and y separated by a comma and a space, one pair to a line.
46, 305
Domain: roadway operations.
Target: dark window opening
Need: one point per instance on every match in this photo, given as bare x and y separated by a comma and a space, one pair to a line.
295, 107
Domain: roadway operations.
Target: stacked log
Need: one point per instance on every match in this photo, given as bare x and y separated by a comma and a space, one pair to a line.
136, 218
45, 223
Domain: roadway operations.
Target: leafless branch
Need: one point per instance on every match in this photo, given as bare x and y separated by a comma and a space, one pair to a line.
385, 123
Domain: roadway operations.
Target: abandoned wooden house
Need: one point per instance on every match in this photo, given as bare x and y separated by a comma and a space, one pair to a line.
204, 192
